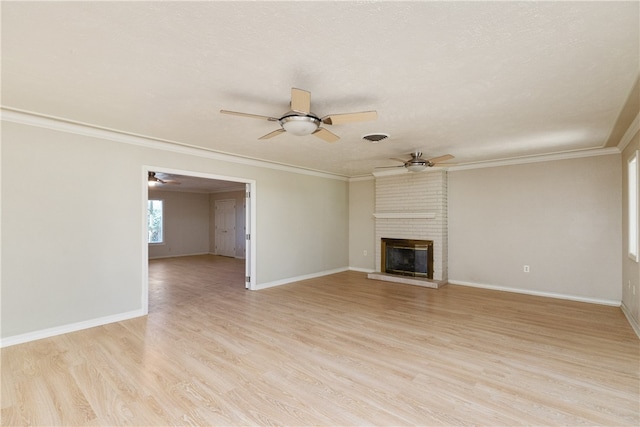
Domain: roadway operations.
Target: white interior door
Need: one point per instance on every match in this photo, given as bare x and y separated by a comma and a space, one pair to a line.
225, 223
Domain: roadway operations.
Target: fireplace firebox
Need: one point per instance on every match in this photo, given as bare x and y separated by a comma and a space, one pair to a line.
407, 257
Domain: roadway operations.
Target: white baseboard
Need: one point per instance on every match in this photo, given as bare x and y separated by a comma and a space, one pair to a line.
634, 324
72, 327
299, 278
600, 301
362, 270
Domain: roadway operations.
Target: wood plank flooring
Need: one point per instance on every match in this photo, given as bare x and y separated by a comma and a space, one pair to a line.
336, 350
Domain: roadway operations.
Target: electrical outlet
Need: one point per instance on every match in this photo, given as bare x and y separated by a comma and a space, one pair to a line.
525, 269
364, 252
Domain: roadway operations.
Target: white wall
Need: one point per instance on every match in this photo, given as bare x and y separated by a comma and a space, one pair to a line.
73, 246
562, 218
186, 224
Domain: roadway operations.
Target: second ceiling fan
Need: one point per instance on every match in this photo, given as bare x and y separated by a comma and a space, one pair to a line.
417, 164
301, 121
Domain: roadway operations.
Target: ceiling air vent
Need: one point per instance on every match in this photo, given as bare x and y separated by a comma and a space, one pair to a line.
375, 137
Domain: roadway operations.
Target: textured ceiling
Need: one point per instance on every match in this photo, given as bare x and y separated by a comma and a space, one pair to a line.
479, 80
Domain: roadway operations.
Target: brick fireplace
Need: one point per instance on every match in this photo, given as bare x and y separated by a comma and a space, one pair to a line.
413, 206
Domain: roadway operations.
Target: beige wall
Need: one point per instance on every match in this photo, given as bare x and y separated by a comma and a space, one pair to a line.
186, 224
630, 268
362, 225
549, 215
73, 246
239, 197
303, 226
562, 218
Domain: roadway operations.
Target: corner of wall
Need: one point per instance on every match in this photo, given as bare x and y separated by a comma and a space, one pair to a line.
633, 322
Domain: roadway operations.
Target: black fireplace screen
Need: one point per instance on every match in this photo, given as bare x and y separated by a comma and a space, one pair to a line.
408, 257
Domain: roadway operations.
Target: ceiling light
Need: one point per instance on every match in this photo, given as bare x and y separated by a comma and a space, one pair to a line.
300, 125
417, 166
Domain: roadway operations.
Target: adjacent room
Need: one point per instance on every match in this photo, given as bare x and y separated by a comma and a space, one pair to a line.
320, 213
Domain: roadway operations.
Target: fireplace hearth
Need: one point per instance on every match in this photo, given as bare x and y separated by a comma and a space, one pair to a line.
407, 257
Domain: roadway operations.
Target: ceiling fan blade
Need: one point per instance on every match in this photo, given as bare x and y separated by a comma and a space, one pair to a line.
397, 160
300, 100
338, 119
171, 182
272, 134
441, 158
324, 134
253, 116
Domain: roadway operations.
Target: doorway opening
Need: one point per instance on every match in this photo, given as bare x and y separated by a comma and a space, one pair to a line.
187, 229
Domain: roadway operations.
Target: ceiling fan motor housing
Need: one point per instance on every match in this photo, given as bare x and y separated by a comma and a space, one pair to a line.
417, 163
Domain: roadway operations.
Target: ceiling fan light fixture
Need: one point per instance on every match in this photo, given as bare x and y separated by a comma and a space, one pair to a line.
300, 125
417, 166
300, 121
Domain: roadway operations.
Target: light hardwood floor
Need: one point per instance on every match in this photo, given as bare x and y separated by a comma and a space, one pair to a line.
336, 350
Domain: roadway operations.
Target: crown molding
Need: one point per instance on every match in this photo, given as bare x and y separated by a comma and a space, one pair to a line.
592, 152
361, 178
84, 129
630, 133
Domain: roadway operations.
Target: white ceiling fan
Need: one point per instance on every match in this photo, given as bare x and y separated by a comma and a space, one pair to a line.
301, 121
417, 164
